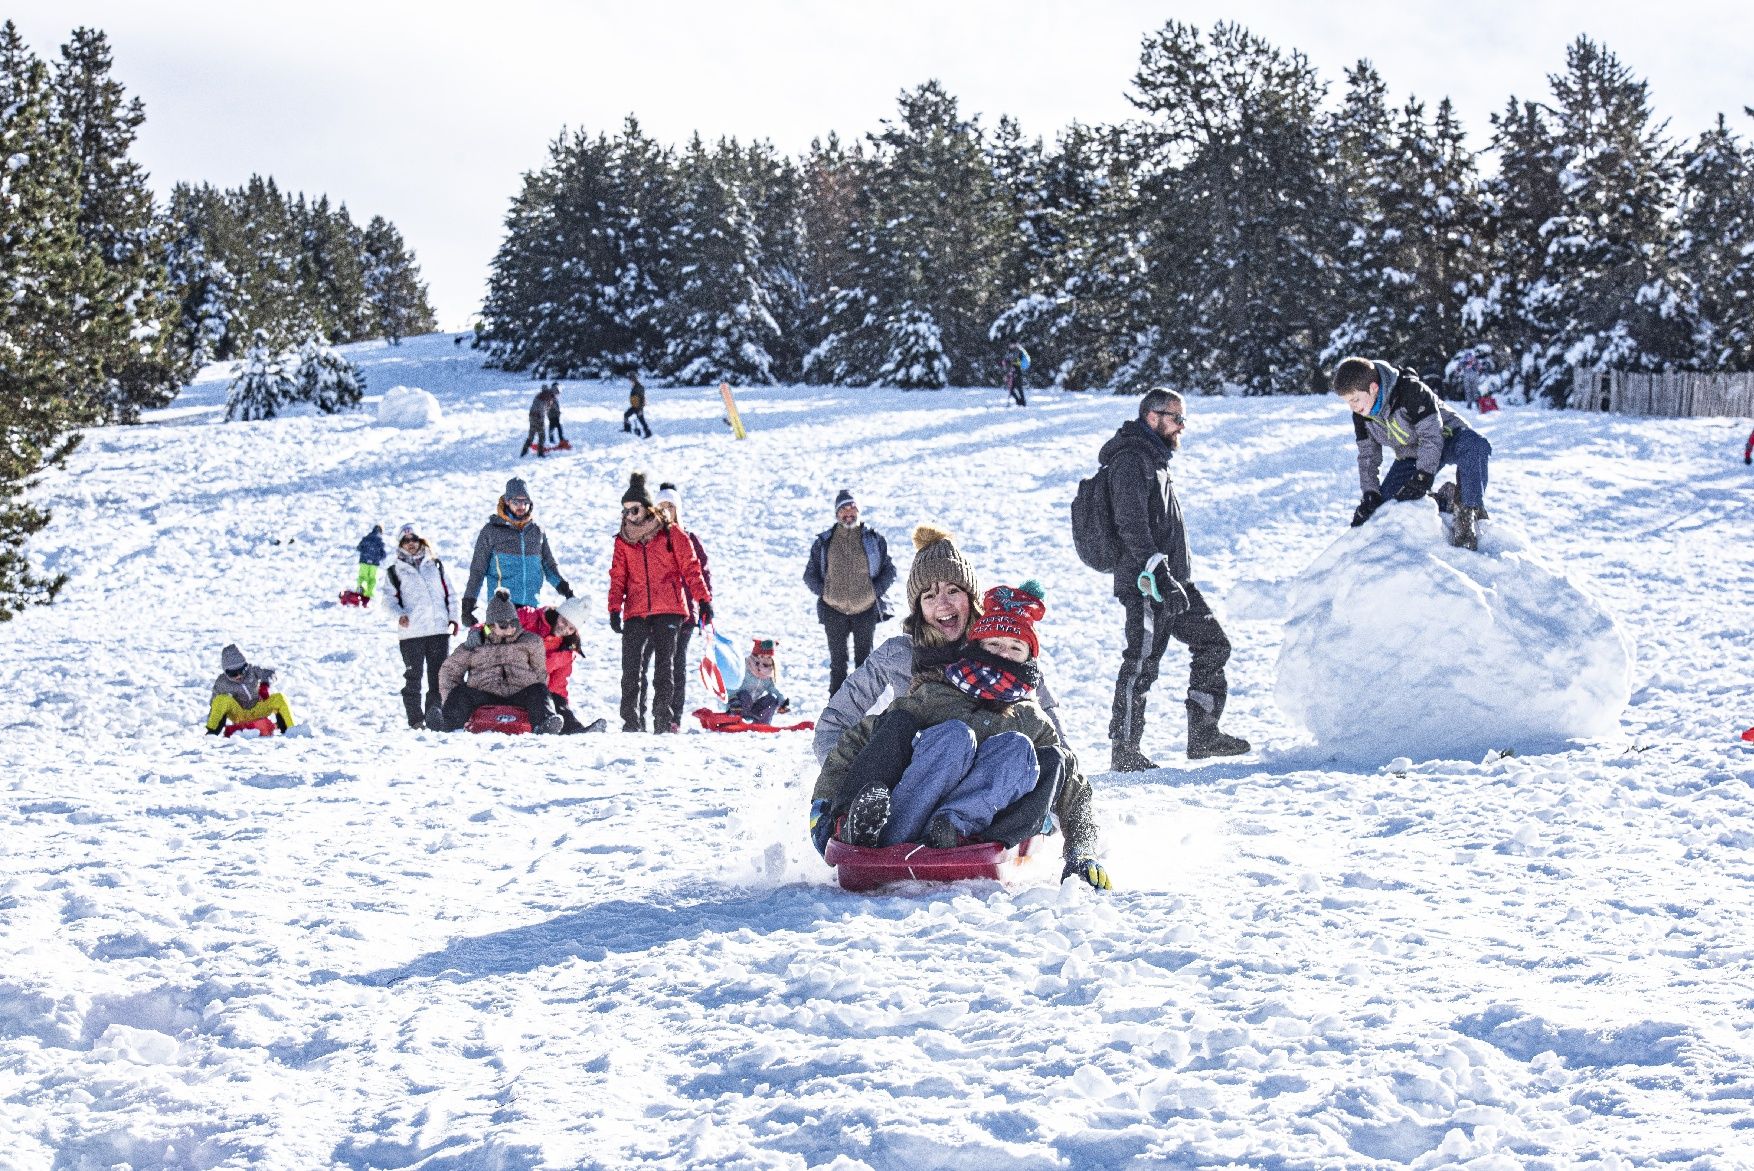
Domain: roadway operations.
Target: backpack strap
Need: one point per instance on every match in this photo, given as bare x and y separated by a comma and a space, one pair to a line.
396, 583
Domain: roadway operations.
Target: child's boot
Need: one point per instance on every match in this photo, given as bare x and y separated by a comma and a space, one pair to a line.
1204, 738
867, 816
1465, 535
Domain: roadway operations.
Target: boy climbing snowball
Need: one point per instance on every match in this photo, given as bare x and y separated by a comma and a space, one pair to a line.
1391, 408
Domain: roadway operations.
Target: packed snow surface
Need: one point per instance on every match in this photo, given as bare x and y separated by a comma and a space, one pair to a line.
1397, 642
377, 948
409, 407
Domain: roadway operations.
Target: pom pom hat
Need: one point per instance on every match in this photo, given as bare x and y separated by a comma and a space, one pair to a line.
1008, 612
936, 559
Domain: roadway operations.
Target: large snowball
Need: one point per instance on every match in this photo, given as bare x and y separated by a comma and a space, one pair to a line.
1397, 644
409, 406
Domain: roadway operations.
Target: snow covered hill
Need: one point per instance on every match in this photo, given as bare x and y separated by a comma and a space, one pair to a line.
375, 948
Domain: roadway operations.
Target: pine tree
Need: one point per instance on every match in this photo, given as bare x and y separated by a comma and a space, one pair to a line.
60, 313
210, 326
395, 297
716, 322
327, 379
264, 385
117, 219
1603, 285
333, 273
1243, 253
1715, 247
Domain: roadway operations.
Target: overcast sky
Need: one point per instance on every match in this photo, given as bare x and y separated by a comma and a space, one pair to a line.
430, 113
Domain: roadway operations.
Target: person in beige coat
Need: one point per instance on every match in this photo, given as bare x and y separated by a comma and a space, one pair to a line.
502, 664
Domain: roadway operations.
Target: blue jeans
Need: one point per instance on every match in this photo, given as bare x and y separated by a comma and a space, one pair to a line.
1468, 450
952, 776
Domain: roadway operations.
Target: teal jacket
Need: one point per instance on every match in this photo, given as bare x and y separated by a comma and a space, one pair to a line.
513, 557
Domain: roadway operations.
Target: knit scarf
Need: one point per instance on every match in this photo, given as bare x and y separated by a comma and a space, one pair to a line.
639, 534
984, 675
505, 514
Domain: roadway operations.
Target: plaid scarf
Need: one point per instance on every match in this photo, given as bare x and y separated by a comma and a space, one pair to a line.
987, 676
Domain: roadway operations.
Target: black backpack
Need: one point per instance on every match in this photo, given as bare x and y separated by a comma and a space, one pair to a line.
1093, 523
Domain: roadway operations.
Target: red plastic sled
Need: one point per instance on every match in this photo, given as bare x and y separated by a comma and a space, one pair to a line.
354, 598
726, 722
499, 717
262, 727
1486, 404
869, 867
544, 449
1749, 735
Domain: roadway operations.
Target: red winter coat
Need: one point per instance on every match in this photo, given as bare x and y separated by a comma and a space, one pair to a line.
658, 577
559, 658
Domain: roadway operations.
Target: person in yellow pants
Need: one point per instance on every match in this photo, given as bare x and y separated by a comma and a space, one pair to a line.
240, 694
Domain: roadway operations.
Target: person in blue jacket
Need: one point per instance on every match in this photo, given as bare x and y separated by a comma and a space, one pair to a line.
371, 555
849, 571
511, 553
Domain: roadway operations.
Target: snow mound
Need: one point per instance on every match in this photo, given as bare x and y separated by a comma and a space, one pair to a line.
409, 407
1397, 644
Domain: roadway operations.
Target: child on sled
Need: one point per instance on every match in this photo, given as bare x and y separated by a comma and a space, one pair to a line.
241, 695
759, 698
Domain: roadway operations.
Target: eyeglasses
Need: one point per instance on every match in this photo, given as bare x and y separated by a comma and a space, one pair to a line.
1171, 414
519, 502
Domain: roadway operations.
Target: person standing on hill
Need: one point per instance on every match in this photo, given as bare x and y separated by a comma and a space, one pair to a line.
653, 579
849, 571
1748, 451
371, 555
539, 414
636, 407
556, 434
426, 617
1016, 362
511, 552
668, 504
1152, 583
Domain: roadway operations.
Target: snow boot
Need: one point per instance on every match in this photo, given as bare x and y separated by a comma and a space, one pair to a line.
1204, 738
435, 716
1464, 536
1125, 758
551, 726
940, 834
867, 816
1446, 498
597, 725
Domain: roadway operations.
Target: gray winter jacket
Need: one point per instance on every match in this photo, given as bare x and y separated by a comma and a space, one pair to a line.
889, 670
1409, 419
246, 689
1147, 516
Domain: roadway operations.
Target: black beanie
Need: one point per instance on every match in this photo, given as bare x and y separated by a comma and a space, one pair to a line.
636, 490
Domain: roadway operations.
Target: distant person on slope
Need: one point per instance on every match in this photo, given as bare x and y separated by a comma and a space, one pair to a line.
501, 664
654, 580
1016, 362
636, 407
539, 413
511, 552
668, 504
1152, 583
241, 694
426, 617
556, 435
1748, 451
371, 555
1391, 408
849, 571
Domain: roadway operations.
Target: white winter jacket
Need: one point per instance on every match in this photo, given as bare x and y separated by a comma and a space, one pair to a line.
419, 591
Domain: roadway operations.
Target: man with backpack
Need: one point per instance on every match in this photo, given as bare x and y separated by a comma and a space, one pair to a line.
1127, 521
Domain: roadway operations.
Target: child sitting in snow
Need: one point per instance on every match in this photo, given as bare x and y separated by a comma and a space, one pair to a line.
968, 753
758, 699
371, 555
240, 694
1392, 408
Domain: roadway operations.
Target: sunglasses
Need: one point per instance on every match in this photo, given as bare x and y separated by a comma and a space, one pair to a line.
235, 672
411, 540
1171, 414
633, 510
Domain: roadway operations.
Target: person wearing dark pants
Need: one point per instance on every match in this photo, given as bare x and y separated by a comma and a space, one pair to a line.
655, 581
636, 409
849, 571
649, 639
1152, 583
426, 654
501, 663
668, 504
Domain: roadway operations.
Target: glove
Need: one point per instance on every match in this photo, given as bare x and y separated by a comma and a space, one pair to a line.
561, 588
821, 825
1090, 870
469, 612
783, 708
615, 621
1366, 507
706, 613
1416, 487
1158, 584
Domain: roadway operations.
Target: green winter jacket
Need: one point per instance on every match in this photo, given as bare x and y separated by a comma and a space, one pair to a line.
935, 701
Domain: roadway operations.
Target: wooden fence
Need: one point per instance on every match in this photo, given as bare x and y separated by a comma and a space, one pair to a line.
1679, 394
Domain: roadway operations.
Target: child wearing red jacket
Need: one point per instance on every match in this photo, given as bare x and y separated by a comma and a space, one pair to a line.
653, 575
558, 627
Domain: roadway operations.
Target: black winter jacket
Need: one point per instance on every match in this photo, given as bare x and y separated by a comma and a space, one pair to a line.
1147, 516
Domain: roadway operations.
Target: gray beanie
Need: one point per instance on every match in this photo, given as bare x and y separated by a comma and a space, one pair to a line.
515, 490
843, 498
500, 611
232, 659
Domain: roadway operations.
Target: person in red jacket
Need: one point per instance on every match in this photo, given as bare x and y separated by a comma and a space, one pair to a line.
668, 504
558, 627
652, 578
1748, 452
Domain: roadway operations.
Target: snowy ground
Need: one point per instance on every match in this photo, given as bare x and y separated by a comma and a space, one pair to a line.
372, 948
